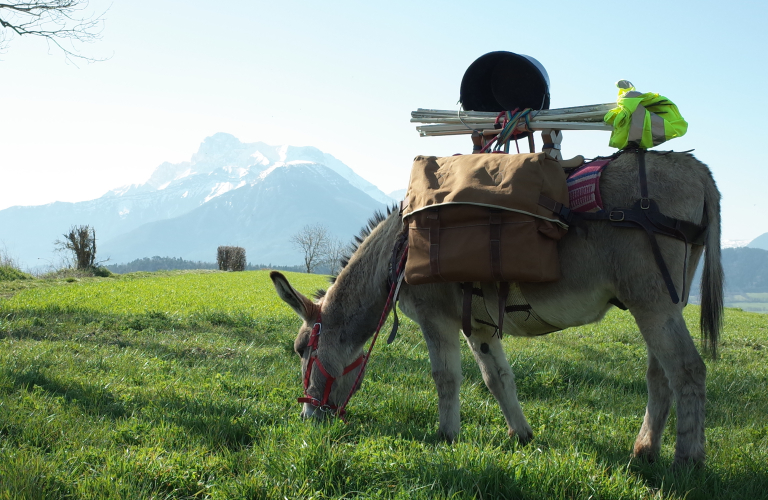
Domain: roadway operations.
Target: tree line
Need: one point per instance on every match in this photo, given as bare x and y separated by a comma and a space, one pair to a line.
157, 263
321, 252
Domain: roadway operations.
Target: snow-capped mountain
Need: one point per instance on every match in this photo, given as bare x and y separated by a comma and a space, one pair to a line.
184, 203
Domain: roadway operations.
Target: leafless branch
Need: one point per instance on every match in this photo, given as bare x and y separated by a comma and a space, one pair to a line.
53, 20
312, 240
335, 251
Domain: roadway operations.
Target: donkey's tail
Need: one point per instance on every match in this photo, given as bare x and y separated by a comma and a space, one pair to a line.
711, 321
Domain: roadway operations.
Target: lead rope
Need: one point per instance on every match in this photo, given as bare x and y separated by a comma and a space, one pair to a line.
341, 412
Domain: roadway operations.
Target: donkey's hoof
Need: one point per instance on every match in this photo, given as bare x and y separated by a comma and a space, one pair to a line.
448, 437
645, 453
688, 463
523, 437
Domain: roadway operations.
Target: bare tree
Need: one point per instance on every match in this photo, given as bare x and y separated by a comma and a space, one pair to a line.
56, 21
312, 240
335, 251
81, 241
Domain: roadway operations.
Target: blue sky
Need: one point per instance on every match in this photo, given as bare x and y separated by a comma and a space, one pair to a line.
344, 77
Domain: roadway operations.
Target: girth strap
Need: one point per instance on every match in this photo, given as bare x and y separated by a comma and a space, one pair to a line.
494, 221
466, 310
503, 294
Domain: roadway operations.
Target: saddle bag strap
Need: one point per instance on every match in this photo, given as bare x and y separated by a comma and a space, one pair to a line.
434, 242
557, 208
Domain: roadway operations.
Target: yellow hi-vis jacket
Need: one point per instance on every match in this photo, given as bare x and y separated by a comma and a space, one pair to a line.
643, 120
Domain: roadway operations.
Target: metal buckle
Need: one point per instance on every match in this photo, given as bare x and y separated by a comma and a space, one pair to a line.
645, 203
614, 219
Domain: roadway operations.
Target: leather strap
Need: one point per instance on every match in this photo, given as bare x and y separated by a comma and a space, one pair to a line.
681, 229
556, 208
434, 242
643, 179
466, 313
495, 229
503, 294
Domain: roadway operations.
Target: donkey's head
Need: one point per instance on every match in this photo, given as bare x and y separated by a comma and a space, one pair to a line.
329, 363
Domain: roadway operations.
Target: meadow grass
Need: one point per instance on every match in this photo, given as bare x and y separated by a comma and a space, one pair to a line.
184, 385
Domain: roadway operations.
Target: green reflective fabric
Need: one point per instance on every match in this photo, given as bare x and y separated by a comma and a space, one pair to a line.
646, 120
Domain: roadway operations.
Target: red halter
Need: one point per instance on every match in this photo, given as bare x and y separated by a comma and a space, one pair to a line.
363, 359
329, 380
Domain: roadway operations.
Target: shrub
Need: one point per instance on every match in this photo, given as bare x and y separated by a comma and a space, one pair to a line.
71, 274
231, 258
8, 273
81, 241
9, 268
102, 272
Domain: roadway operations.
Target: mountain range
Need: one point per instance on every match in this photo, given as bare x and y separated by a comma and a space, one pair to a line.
229, 193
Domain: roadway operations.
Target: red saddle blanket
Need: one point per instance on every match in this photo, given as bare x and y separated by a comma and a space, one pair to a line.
584, 187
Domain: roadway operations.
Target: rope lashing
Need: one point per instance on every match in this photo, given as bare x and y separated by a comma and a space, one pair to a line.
510, 124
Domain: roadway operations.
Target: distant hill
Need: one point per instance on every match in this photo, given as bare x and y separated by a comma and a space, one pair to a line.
760, 242
746, 271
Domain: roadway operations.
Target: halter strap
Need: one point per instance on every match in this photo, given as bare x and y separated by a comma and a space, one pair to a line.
362, 360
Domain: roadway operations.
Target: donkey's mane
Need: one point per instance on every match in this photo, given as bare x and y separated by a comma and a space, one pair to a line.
377, 218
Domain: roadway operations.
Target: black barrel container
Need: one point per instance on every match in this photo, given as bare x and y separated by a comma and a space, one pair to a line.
502, 81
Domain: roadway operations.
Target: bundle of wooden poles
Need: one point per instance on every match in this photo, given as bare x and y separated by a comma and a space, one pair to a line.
465, 122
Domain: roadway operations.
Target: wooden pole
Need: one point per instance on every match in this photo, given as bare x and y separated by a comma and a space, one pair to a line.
487, 128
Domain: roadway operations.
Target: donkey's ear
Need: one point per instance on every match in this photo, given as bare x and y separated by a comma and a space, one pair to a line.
304, 307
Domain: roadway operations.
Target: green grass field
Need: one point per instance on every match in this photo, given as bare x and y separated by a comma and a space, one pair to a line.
184, 385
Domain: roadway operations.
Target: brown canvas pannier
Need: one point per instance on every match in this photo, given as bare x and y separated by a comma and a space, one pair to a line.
484, 217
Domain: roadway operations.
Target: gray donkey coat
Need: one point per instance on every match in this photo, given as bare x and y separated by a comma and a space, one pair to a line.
599, 264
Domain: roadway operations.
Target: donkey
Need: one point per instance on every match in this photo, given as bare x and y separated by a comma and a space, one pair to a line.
601, 265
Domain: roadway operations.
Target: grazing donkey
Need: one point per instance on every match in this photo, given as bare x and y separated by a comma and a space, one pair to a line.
601, 265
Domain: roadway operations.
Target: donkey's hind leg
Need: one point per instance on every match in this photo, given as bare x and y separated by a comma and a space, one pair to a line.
671, 344
648, 443
497, 374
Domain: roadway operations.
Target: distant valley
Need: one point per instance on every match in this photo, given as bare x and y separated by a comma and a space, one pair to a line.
746, 279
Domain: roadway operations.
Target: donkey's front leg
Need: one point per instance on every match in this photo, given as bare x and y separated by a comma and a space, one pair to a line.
648, 443
445, 355
490, 357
